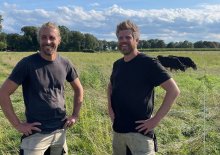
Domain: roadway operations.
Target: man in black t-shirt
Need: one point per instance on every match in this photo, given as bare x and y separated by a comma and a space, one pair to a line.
131, 95
42, 76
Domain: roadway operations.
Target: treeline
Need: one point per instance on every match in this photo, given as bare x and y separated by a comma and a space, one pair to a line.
77, 41
1, 22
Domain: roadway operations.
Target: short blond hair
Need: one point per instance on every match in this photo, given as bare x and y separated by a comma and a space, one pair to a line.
48, 25
128, 25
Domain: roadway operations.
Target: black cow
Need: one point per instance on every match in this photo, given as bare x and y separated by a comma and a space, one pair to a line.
188, 62
171, 62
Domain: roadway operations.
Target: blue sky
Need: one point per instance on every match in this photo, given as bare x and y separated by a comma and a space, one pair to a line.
169, 20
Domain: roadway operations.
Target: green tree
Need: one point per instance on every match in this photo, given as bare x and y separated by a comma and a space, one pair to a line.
1, 23
216, 44
3, 37
208, 44
160, 44
185, 44
64, 32
3, 46
14, 42
156, 43
29, 39
153, 43
3, 41
76, 39
171, 45
90, 42
199, 44
103, 45
113, 45
146, 44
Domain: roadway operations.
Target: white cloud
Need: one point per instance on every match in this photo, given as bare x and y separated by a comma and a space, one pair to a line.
202, 22
78, 14
9, 6
213, 36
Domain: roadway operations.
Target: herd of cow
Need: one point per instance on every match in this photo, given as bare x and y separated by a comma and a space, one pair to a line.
176, 62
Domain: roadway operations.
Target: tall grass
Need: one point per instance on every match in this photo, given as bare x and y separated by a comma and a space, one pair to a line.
191, 127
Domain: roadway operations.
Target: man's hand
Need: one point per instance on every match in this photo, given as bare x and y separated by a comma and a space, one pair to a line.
146, 125
70, 121
27, 128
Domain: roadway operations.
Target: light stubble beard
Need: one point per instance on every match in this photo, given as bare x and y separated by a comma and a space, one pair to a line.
48, 51
127, 51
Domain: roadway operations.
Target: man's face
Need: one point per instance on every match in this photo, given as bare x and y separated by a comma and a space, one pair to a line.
126, 42
49, 41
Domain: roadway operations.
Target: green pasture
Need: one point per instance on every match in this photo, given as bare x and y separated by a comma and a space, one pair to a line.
192, 126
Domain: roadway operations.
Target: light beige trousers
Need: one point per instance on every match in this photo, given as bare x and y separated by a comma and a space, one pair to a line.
136, 142
38, 143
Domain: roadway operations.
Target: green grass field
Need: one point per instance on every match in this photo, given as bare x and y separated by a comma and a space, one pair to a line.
192, 126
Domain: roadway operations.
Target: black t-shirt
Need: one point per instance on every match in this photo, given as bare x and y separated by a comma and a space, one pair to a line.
43, 89
133, 85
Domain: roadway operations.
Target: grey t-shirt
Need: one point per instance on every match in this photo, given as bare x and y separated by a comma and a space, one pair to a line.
43, 89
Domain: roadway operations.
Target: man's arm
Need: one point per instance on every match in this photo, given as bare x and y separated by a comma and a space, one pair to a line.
6, 90
109, 93
78, 99
172, 91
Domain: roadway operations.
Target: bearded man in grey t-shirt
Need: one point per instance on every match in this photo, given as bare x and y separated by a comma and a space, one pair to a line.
42, 76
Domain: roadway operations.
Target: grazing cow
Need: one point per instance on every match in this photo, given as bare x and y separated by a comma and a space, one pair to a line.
186, 61
171, 62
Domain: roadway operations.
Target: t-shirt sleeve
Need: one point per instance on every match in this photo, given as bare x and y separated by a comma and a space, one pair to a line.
19, 73
71, 73
158, 73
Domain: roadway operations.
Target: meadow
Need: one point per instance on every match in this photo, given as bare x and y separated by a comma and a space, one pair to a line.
191, 127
